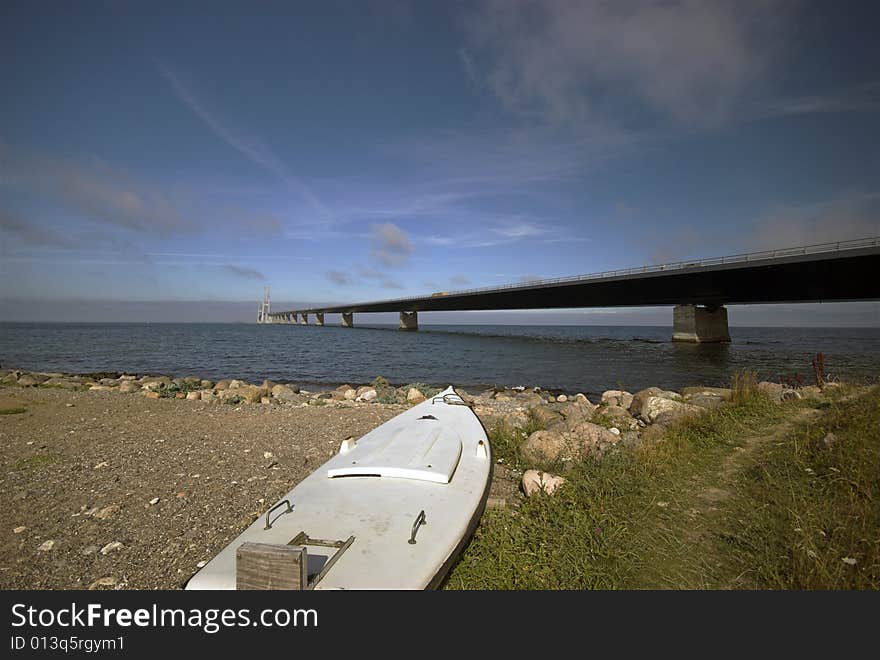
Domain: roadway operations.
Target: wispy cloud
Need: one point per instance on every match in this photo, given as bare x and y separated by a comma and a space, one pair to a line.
244, 272
459, 280
252, 148
338, 277
576, 62
32, 234
390, 245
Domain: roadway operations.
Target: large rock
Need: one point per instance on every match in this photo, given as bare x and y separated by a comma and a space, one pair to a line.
350, 394
250, 393
535, 481
194, 396
656, 407
543, 447
363, 388
589, 437
285, 393
222, 385
235, 384
618, 416
639, 399
156, 384
29, 380
723, 392
546, 416
414, 396
208, 396
369, 395
771, 390
129, 386
704, 400
620, 398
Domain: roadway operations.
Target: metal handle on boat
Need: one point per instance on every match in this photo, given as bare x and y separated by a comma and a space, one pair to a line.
269, 512
420, 520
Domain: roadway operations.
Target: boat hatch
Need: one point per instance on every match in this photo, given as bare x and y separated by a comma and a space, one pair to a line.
425, 453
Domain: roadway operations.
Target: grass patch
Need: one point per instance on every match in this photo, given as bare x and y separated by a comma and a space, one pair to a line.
806, 515
617, 522
171, 390
12, 411
36, 462
506, 440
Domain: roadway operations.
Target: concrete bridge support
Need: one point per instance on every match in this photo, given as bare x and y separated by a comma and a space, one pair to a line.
347, 319
319, 318
303, 319
409, 320
700, 324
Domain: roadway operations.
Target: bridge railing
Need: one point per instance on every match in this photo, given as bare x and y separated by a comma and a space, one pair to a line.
817, 248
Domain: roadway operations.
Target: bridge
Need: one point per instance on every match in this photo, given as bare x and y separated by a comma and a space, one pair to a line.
699, 290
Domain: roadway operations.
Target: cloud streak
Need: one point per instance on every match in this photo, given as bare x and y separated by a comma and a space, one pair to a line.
251, 148
244, 272
390, 245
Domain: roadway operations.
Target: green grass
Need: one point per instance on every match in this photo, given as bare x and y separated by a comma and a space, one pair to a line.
36, 462
12, 411
805, 506
635, 519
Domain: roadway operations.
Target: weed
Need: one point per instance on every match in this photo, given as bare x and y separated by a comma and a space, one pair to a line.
12, 411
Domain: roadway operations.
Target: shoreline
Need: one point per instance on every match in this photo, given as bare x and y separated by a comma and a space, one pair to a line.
108, 489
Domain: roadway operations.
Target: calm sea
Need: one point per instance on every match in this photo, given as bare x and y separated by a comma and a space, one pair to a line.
585, 359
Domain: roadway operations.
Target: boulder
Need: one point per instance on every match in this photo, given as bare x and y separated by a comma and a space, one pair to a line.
704, 400
655, 407
369, 395
250, 393
546, 416
535, 481
235, 384
588, 437
581, 398
363, 388
208, 396
29, 380
222, 385
724, 392
10, 378
789, 394
414, 396
206, 384
349, 394
543, 447
156, 384
561, 398
639, 399
620, 398
618, 416
194, 396
129, 386
771, 390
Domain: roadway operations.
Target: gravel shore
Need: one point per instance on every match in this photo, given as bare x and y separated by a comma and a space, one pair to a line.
80, 470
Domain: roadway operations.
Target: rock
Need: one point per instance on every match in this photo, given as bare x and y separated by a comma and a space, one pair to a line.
104, 582
157, 384
810, 392
129, 386
19, 530
535, 481
29, 380
561, 398
639, 398
588, 437
414, 396
544, 447
89, 550
100, 388
180, 395
111, 382
771, 390
790, 395
153, 501
250, 393
708, 401
46, 546
363, 388
237, 384
208, 396
615, 430
350, 394
545, 416
620, 398
10, 378
581, 398
369, 395
206, 384
617, 416
194, 396
724, 392
285, 393
150, 394
221, 385
106, 512
111, 547
656, 406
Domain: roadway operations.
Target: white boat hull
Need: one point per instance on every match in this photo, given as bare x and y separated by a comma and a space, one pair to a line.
433, 458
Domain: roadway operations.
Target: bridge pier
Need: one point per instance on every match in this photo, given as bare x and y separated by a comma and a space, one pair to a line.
700, 324
409, 320
303, 319
319, 318
347, 319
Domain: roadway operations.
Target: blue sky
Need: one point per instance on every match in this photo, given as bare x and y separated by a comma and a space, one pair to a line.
344, 151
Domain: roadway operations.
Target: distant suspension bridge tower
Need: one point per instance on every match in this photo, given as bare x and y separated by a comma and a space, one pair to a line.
264, 308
